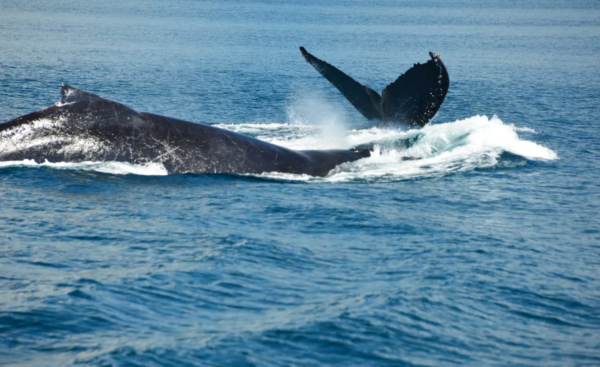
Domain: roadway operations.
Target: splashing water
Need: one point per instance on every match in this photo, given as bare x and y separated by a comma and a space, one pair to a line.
329, 122
438, 150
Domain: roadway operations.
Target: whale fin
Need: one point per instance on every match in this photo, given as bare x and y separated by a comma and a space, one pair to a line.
70, 94
364, 99
416, 96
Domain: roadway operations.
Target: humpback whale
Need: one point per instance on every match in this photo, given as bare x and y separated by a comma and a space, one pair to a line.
411, 100
86, 127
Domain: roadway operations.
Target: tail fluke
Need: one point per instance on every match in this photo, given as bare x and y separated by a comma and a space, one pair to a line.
364, 99
412, 100
416, 96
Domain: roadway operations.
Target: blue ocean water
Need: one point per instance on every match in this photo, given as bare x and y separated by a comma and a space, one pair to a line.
484, 252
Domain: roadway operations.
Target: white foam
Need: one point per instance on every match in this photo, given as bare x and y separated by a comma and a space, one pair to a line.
250, 128
115, 168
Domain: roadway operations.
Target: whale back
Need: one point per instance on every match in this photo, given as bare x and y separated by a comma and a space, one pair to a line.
86, 127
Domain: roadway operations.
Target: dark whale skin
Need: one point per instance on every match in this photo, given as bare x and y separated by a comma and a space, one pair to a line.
410, 101
84, 127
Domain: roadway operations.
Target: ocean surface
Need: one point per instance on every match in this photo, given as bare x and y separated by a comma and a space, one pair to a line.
484, 252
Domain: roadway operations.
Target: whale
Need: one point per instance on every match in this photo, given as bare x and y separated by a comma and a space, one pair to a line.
84, 127
411, 101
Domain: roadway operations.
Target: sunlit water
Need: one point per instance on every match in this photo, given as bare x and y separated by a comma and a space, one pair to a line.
482, 249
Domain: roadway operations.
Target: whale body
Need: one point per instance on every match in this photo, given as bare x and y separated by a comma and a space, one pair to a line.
410, 101
84, 127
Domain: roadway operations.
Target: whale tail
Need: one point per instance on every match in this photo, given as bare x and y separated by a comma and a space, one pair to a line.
412, 99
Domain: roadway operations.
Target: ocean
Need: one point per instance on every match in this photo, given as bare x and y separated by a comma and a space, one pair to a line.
483, 252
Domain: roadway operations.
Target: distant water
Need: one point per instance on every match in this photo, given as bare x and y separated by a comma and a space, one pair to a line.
486, 251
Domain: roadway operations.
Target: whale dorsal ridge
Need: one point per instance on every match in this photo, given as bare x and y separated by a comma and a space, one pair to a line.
70, 94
